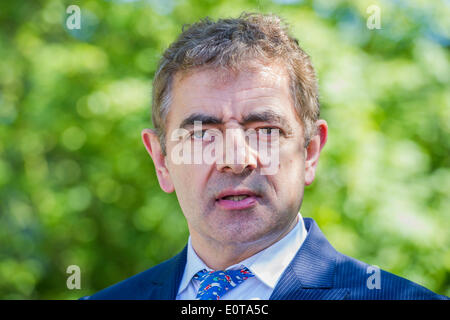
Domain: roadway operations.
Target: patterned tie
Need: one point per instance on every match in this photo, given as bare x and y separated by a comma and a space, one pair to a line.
214, 284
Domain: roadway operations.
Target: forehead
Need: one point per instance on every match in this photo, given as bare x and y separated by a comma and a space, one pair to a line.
230, 94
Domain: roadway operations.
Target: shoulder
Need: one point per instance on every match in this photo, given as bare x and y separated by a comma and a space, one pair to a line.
142, 285
370, 282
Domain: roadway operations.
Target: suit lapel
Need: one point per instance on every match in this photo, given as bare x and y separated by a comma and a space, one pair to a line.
165, 286
311, 273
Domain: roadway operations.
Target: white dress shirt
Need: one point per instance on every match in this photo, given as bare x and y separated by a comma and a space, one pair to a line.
267, 265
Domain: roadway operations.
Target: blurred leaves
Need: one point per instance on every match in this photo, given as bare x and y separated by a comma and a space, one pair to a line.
77, 186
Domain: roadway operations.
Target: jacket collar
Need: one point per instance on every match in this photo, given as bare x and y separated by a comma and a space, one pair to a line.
311, 271
315, 262
165, 284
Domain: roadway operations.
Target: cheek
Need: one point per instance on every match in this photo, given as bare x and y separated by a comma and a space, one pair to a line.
292, 170
183, 177
188, 181
292, 158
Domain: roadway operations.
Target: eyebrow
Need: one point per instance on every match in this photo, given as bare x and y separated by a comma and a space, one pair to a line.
269, 116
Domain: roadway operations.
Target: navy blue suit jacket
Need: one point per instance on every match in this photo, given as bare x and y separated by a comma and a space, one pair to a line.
317, 272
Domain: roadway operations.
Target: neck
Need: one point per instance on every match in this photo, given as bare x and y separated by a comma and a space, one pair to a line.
219, 256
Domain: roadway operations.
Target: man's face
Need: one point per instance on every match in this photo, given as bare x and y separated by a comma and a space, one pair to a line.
274, 200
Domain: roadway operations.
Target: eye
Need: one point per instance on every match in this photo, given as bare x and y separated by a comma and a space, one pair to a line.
266, 131
199, 135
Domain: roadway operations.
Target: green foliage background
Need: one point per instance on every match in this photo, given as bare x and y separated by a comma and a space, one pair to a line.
78, 188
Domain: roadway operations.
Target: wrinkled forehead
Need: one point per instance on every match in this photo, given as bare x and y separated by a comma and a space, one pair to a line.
251, 72
230, 93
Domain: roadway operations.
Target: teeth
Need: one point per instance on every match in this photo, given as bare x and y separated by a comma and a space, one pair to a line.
236, 198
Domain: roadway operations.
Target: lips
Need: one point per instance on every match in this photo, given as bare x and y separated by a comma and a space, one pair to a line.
236, 193
236, 199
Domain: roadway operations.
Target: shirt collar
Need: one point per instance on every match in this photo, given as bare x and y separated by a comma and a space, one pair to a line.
193, 265
267, 265
270, 263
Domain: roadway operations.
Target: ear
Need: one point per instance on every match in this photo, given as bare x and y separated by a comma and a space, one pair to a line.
313, 150
151, 142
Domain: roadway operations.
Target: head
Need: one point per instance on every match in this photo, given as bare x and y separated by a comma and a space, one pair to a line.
237, 75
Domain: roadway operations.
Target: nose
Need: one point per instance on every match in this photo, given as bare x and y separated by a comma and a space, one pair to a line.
238, 155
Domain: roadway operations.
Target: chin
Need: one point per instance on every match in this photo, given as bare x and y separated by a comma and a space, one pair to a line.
240, 230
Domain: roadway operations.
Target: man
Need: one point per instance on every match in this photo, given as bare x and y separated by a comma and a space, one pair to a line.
227, 94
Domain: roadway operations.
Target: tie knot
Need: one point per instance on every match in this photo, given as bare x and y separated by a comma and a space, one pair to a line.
215, 284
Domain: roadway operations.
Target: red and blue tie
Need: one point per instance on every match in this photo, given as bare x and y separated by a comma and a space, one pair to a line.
214, 284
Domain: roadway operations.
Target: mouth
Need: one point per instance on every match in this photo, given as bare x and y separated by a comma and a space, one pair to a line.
236, 199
